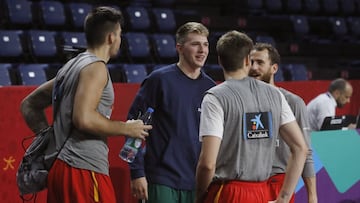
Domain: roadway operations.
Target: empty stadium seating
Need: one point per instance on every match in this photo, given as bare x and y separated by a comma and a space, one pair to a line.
321, 34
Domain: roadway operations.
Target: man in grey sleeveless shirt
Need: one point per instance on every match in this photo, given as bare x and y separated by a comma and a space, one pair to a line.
239, 122
265, 61
83, 100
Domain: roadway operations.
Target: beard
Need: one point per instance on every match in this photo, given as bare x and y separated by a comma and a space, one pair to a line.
339, 105
265, 77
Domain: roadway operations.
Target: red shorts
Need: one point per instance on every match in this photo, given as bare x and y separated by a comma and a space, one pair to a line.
68, 185
275, 183
237, 192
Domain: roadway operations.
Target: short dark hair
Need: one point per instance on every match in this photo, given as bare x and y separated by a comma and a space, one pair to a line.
274, 55
337, 84
99, 22
232, 48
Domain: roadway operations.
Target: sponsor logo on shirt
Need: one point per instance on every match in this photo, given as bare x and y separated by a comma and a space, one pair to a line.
257, 125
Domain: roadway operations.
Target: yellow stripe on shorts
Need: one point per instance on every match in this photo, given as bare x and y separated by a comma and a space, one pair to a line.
216, 200
96, 187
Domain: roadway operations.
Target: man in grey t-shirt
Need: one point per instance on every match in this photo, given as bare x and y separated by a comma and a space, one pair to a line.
239, 122
265, 63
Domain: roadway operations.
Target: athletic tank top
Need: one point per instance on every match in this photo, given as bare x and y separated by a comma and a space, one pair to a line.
82, 150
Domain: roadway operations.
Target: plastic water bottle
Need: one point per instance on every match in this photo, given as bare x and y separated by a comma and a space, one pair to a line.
132, 145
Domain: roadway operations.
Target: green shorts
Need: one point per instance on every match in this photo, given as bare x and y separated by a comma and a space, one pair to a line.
164, 194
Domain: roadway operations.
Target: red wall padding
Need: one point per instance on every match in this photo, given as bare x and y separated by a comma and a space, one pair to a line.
13, 129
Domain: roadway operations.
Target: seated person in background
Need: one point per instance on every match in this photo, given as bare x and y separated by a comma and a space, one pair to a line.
324, 105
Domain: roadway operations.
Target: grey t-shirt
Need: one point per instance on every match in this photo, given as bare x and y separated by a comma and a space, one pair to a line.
298, 107
82, 150
247, 149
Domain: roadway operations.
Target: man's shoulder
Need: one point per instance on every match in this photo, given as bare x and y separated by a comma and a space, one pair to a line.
291, 97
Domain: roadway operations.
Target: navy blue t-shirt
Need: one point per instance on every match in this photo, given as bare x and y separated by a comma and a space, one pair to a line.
173, 147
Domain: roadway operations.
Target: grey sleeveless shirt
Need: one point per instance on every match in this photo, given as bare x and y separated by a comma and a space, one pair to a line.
82, 150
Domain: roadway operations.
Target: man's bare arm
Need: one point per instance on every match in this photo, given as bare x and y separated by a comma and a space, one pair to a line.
310, 184
293, 137
206, 166
33, 106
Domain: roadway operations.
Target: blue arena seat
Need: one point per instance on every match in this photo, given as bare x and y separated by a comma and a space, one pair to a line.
214, 71
300, 24
164, 19
18, 13
135, 73
42, 45
293, 6
279, 75
354, 25
5, 78
312, 6
164, 3
32, 74
273, 5
77, 12
347, 7
330, 7
154, 67
339, 26
265, 39
51, 14
164, 47
11, 43
73, 41
117, 73
297, 71
137, 19
138, 46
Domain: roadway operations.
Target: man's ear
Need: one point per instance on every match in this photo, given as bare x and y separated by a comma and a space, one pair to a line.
247, 61
274, 68
111, 38
336, 93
